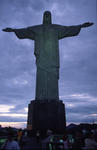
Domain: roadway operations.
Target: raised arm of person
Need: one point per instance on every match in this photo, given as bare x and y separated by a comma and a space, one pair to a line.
68, 31
23, 33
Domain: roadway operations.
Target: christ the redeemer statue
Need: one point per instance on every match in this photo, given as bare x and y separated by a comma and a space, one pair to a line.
46, 37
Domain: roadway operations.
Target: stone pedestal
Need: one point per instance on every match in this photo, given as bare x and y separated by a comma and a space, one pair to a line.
44, 115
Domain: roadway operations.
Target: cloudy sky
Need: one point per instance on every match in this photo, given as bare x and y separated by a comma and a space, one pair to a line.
78, 59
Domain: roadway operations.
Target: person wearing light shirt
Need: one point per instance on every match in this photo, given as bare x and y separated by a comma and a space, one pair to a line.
10, 144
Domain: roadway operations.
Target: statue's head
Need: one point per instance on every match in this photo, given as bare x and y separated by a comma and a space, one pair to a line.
47, 18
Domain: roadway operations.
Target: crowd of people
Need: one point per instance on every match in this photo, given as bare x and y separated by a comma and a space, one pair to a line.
81, 141
78, 140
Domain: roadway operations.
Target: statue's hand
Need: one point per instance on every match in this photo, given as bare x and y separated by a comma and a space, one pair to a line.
87, 24
8, 30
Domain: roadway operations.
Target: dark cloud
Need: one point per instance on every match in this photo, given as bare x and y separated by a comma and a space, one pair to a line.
12, 119
83, 109
75, 118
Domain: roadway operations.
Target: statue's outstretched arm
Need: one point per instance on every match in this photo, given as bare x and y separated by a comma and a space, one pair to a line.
87, 24
69, 31
23, 33
8, 30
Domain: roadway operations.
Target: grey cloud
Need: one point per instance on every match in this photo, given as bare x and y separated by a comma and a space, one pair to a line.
84, 109
16, 100
80, 119
19, 108
79, 64
18, 9
82, 112
12, 119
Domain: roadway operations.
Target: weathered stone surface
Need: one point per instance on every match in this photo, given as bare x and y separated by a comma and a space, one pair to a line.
44, 115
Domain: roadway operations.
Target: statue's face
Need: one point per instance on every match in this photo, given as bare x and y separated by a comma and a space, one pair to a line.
47, 18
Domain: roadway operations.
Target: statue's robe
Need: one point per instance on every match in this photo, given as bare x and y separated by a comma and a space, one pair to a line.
46, 38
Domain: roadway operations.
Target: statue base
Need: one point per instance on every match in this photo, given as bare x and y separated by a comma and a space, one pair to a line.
46, 115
